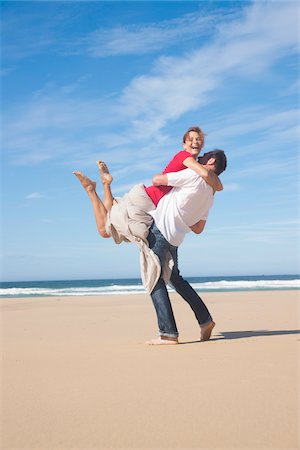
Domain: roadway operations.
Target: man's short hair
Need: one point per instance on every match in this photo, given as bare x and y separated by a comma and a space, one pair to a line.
219, 156
197, 130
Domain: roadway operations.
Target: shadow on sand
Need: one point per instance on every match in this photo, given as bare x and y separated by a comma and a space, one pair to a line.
227, 335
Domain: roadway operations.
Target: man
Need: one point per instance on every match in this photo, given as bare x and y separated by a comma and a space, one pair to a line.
185, 208
130, 221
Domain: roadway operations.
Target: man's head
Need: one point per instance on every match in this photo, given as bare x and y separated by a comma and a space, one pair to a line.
193, 141
216, 160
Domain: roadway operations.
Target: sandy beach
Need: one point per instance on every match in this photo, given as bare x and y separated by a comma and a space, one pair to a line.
76, 374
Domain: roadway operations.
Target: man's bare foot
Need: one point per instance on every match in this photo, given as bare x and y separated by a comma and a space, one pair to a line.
206, 331
106, 177
163, 341
89, 185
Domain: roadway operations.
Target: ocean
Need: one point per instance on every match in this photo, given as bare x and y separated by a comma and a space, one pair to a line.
133, 286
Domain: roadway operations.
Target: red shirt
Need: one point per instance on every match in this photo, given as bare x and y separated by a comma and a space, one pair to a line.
175, 165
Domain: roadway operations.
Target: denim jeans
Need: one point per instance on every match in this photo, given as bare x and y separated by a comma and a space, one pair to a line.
160, 297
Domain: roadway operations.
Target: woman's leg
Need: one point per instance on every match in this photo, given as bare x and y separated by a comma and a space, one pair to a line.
100, 211
106, 179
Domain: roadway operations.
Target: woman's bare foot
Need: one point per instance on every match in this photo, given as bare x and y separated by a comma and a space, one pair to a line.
89, 185
163, 341
106, 177
206, 331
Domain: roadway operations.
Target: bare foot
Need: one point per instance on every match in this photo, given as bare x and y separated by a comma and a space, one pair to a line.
106, 177
89, 185
163, 341
206, 331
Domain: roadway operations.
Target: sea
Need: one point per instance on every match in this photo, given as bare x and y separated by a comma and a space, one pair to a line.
132, 286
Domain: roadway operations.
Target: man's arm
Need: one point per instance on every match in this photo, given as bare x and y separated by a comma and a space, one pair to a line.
198, 227
160, 180
178, 179
209, 176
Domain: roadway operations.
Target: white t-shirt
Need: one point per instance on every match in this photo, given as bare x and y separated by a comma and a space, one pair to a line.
187, 203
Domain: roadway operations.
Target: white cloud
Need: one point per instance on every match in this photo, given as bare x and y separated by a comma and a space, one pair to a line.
264, 166
231, 187
180, 85
34, 196
256, 132
48, 126
275, 232
30, 32
257, 120
147, 38
290, 224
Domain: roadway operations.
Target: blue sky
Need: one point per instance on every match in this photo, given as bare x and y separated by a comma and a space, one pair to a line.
121, 82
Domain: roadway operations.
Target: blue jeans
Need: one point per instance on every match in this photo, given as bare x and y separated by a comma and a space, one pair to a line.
160, 297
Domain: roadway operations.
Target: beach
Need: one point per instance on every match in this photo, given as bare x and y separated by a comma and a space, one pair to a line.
76, 373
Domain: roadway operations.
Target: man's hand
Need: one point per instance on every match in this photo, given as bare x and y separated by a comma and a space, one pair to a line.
198, 227
214, 181
160, 180
208, 175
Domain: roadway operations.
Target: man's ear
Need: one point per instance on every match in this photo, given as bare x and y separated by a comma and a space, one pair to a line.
211, 161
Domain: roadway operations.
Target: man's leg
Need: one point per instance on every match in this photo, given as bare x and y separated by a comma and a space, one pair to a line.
160, 297
100, 211
192, 298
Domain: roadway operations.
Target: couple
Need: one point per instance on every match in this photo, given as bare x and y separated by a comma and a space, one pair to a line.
157, 218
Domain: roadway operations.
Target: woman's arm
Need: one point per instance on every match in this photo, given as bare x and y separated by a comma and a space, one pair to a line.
209, 176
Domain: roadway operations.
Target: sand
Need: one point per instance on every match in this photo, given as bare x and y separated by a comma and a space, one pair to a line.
76, 374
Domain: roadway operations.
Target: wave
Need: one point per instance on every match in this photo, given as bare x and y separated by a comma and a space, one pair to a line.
119, 289
253, 284
104, 290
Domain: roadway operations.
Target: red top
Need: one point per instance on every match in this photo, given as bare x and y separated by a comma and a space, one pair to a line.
175, 165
